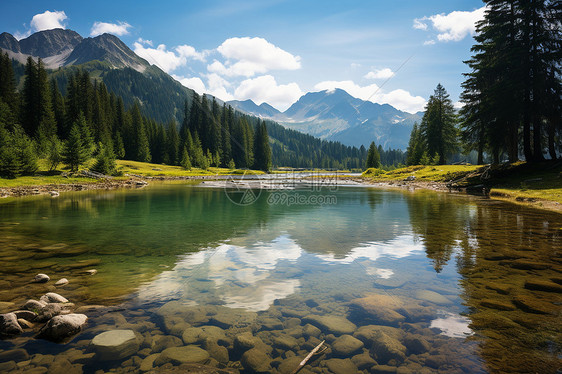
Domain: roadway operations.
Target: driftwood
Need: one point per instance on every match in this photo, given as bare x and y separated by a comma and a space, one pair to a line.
308, 357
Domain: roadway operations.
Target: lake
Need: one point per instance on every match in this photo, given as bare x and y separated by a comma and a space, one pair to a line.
254, 280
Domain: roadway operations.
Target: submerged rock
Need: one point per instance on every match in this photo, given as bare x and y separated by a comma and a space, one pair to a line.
346, 345
341, 366
532, 305
543, 285
379, 308
254, 360
386, 348
9, 325
61, 327
115, 345
165, 341
41, 278
496, 304
246, 341
148, 362
432, 297
182, 355
331, 324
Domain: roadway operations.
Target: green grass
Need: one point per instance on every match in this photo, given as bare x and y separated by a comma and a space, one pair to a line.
438, 173
44, 177
157, 170
530, 184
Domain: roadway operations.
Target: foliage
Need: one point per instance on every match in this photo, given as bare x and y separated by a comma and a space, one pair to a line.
105, 160
75, 152
373, 157
513, 92
438, 127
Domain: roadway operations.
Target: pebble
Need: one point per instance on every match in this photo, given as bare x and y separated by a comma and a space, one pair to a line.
41, 278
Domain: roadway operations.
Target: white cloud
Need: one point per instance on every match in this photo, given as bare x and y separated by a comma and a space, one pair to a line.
194, 83
454, 26
400, 99
144, 41
429, 42
119, 29
165, 59
380, 74
250, 56
458, 104
44, 21
48, 20
265, 89
418, 24
188, 51
217, 87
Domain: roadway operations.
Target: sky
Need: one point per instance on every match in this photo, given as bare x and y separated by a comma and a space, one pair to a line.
393, 52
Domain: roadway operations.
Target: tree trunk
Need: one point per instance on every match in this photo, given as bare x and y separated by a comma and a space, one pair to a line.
551, 134
537, 137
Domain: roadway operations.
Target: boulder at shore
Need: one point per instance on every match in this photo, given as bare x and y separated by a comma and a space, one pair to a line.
61, 327
9, 325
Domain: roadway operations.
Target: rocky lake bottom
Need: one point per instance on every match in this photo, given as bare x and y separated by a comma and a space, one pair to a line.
180, 279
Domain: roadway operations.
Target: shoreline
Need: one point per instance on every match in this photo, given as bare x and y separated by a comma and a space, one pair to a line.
55, 190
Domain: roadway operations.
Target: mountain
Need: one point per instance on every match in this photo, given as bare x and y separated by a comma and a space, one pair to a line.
60, 48
335, 115
263, 110
161, 97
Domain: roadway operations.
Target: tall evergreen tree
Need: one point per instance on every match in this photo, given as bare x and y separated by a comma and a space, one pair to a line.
74, 153
438, 126
373, 157
262, 150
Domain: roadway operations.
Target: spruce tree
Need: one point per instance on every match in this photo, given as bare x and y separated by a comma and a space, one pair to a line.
438, 126
262, 150
185, 161
74, 153
373, 157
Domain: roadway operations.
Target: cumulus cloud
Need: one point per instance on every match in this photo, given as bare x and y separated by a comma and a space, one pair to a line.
44, 21
119, 28
167, 60
380, 74
400, 99
265, 89
250, 56
454, 26
194, 83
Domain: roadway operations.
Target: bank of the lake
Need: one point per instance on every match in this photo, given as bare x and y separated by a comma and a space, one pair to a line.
537, 185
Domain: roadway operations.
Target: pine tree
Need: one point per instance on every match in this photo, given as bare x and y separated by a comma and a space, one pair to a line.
262, 150
74, 153
173, 143
105, 160
415, 147
185, 161
438, 126
54, 152
373, 157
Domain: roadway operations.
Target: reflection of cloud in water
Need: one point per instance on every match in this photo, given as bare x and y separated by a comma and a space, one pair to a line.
398, 247
242, 276
452, 325
381, 273
260, 296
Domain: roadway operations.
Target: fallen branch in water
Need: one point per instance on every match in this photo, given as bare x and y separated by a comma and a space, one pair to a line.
312, 353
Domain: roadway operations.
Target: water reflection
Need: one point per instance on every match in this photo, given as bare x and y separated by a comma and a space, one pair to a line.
450, 266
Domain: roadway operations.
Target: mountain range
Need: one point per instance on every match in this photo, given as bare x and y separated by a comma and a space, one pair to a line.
336, 115
330, 115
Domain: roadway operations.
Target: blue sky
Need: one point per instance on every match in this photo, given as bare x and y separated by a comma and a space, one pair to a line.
386, 51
